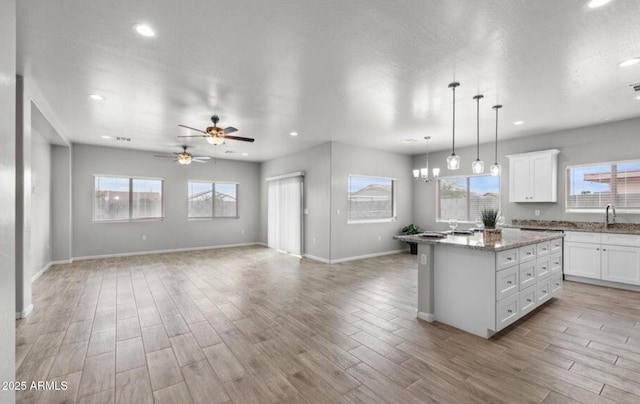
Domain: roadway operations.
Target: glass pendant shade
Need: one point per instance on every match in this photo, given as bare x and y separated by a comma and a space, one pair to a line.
453, 162
215, 140
477, 167
423, 173
496, 169
416, 174
436, 172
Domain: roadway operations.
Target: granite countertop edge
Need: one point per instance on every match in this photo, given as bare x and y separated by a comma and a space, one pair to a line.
531, 237
576, 229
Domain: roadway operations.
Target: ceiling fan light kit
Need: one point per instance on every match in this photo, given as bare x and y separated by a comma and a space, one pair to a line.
185, 158
453, 161
215, 135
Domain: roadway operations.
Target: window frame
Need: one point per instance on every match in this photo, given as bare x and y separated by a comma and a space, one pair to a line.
130, 219
468, 176
394, 195
213, 207
568, 209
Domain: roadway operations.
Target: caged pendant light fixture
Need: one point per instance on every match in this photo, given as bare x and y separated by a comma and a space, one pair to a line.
496, 169
477, 167
453, 161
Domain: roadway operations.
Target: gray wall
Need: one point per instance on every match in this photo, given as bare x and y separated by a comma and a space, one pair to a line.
40, 202
175, 231
61, 203
592, 144
7, 194
316, 162
352, 240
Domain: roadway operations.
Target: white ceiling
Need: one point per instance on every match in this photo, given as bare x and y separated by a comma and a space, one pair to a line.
366, 72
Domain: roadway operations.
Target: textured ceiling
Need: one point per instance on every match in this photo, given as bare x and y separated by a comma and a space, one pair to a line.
365, 72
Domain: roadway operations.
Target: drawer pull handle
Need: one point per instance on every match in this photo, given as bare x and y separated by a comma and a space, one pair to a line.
508, 258
529, 300
528, 252
509, 282
544, 249
604, 249
528, 274
597, 249
557, 284
510, 311
544, 291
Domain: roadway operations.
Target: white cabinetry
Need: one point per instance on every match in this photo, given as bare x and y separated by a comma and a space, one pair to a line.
603, 256
533, 177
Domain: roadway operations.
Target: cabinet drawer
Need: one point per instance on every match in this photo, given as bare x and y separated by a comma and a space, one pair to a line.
543, 290
556, 245
543, 249
543, 268
507, 312
528, 253
621, 239
556, 284
506, 259
527, 275
556, 263
528, 300
582, 237
506, 282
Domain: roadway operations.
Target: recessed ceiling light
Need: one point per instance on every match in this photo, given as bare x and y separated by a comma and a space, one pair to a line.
598, 3
144, 30
294, 133
96, 97
105, 137
629, 62
409, 140
245, 154
518, 123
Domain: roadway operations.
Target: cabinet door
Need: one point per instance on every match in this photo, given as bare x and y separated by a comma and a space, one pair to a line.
621, 264
519, 179
542, 178
582, 259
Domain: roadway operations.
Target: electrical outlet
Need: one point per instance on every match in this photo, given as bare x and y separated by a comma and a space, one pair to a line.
537, 212
144, 236
423, 259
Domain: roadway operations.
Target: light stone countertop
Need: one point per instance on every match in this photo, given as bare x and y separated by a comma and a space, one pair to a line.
511, 238
591, 227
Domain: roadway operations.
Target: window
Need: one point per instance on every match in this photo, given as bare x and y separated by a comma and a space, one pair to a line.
593, 187
463, 198
212, 199
370, 199
125, 198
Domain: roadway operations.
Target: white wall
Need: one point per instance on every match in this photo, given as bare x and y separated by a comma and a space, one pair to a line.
316, 162
353, 240
175, 230
61, 203
7, 194
591, 144
40, 202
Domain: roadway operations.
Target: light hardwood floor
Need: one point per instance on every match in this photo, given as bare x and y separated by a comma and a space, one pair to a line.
250, 325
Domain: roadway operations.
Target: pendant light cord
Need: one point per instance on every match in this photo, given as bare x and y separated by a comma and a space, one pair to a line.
497, 107
453, 146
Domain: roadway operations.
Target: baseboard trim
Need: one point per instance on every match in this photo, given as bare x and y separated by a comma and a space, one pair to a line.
599, 282
361, 257
172, 250
316, 258
262, 244
40, 272
428, 317
24, 313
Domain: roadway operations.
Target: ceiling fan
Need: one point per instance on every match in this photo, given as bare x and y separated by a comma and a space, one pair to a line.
185, 157
216, 135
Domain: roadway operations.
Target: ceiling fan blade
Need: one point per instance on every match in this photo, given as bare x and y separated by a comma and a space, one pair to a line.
230, 129
193, 136
243, 139
189, 127
201, 157
166, 157
198, 161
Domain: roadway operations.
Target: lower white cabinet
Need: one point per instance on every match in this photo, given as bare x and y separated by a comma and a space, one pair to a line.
591, 255
507, 311
621, 264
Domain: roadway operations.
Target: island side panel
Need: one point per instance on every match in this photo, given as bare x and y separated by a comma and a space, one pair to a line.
464, 289
425, 282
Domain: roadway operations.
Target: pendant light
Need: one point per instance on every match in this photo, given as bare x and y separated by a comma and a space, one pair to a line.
423, 173
477, 167
453, 161
496, 169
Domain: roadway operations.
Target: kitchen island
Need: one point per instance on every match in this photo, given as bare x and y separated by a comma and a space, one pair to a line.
483, 287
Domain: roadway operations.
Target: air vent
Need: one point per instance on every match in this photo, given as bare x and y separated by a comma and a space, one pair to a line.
229, 152
123, 139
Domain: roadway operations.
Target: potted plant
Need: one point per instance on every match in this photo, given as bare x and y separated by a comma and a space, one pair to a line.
489, 218
409, 230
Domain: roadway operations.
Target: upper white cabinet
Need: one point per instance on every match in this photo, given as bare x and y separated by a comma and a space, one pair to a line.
533, 177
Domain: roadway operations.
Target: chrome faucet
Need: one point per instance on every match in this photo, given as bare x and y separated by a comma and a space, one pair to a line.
606, 216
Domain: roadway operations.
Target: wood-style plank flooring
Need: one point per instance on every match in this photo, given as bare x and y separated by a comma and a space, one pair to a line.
247, 325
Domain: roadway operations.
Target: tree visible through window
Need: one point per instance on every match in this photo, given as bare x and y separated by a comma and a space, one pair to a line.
463, 198
597, 185
125, 198
212, 199
370, 198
